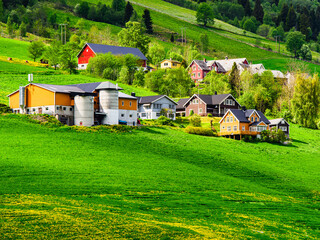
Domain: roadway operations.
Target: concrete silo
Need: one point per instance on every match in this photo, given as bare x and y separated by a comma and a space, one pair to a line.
109, 102
83, 111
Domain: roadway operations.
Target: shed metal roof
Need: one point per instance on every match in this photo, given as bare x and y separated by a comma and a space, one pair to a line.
116, 50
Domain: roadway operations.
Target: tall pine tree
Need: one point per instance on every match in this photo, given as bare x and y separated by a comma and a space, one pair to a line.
304, 25
235, 81
283, 14
247, 8
128, 12
291, 19
258, 12
147, 21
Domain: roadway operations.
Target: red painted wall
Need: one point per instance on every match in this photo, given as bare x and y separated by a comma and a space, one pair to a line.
86, 54
195, 69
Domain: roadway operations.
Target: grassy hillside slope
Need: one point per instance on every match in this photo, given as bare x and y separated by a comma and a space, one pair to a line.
155, 183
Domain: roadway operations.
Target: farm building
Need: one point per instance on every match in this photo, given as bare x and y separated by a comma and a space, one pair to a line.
237, 123
79, 104
202, 105
169, 63
150, 107
91, 49
280, 123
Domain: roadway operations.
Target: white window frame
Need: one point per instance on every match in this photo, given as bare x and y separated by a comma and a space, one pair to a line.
229, 128
235, 128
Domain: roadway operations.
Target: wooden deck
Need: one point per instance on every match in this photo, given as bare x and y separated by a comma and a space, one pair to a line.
241, 133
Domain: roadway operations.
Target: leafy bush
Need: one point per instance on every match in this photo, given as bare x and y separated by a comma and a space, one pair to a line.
200, 131
195, 121
191, 113
273, 135
4, 108
209, 115
162, 120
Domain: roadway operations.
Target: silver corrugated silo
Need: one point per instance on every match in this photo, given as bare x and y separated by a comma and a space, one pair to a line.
83, 111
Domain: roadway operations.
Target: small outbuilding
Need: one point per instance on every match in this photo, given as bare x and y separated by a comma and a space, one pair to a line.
280, 123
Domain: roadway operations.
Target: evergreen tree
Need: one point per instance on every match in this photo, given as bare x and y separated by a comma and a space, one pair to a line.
92, 14
23, 30
1, 10
304, 25
82, 9
276, 2
204, 42
172, 38
283, 14
258, 12
118, 5
317, 22
147, 21
10, 27
291, 20
247, 8
234, 81
128, 12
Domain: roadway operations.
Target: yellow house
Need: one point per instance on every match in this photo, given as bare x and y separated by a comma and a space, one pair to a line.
237, 123
79, 104
169, 63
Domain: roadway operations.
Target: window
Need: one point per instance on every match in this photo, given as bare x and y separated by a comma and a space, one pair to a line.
57, 108
158, 114
251, 119
174, 64
223, 127
243, 128
130, 103
122, 103
64, 108
47, 108
261, 128
130, 116
194, 67
204, 74
71, 109
190, 111
200, 110
256, 119
253, 129
229, 129
143, 114
283, 128
165, 64
122, 115
33, 109
197, 101
194, 75
28, 110
227, 119
235, 128
231, 119
198, 74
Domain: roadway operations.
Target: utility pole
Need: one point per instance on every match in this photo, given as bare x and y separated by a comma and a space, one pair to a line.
183, 39
63, 41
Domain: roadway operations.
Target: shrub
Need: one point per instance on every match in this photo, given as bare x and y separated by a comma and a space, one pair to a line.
200, 131
4, 108
162, 120
195, 121
209, 115
191, 113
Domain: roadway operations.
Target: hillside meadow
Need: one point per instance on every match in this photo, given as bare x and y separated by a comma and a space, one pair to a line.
154, 183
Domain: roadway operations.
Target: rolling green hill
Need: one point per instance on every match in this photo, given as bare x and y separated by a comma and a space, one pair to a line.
155, 183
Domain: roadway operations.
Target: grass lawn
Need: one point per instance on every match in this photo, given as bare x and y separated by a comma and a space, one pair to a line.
155, 183
14, 48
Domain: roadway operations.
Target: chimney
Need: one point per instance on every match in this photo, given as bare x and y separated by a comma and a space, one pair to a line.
205, 60
227, 58
133, 94
215, 93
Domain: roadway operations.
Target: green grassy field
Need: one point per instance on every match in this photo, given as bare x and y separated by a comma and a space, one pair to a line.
155, 183
14, 48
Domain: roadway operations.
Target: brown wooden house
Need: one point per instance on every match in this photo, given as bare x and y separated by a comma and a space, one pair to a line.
217, 105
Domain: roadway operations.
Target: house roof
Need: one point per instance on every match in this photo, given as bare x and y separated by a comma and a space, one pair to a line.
115, 50
243, 116
240, 115
181, 103
202, 64
263, 118
123, 95
151, 99
277, 74
84, 88
211, 99
277, 121
228, 63
170, 60
257, 123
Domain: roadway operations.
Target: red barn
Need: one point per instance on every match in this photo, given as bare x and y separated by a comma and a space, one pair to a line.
91, 49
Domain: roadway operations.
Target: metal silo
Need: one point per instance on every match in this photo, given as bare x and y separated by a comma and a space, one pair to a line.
22, 98
83, 111
108, 99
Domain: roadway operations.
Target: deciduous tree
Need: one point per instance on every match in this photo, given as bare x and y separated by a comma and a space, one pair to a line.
295, 40
36, 49
204, 14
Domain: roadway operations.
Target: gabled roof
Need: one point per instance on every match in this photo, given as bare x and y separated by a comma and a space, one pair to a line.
202, 64
60, 88
257, 123
152, 99
170, 60
181, 103
115, 50
277, 121
212, 99
243, 116
240, 115
123, 95
263, 118
108, 85
228, 63
277, 74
